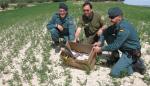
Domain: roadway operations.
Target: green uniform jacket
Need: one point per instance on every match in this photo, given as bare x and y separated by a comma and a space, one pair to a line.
91, 25
67, 23
126, 37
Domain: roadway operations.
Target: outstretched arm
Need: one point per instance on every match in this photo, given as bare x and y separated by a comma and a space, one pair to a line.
77, 34
120, 39
71, 29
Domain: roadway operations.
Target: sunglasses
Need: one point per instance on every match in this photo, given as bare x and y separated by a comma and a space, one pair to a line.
112, 17
86, 10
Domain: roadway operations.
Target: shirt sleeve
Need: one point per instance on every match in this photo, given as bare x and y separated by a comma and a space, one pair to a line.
101, 21
101, 39
72, 28
120, 39
51, 24
80, 24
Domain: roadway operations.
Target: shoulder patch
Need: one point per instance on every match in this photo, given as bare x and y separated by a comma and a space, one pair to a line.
70, 21
121, 30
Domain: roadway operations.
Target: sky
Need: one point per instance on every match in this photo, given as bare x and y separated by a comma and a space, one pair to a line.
138, 2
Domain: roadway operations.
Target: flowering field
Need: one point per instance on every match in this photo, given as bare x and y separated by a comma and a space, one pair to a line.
27, 59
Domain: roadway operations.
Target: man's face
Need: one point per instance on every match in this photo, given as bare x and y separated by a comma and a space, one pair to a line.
62, 13
115, 20
87, 10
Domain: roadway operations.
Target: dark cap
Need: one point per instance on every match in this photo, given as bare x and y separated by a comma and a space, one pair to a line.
63, 6
114, 12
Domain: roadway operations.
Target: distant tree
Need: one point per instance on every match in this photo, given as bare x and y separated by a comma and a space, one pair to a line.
30, 1
13, 1
4, 4
59, 0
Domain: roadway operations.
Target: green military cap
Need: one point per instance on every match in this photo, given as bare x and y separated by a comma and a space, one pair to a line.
114, 12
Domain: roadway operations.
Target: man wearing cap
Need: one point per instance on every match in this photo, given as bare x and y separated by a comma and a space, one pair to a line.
122, 36
61, 26
90, 24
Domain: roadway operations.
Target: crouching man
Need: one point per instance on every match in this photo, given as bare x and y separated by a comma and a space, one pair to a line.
122, 36
61, 26
90, 25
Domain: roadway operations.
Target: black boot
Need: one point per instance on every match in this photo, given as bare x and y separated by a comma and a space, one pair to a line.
139, 66
57, 49
56, 46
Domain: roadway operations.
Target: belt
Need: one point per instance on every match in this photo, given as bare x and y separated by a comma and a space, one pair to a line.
134, 53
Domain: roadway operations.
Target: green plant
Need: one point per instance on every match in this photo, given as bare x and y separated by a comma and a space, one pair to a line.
147, 79
115, 82
17, 79
123, 73
68, 78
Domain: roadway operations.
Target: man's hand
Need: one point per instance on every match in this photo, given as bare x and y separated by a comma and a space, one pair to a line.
99, 32
97, 44
74, 40
97, 49
77, 33
60, 27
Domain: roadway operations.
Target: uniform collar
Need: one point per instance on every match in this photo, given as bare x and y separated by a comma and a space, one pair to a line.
119, 24
89, 18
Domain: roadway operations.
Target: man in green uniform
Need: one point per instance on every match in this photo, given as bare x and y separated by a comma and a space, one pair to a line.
122, 36
90, 24
61, 26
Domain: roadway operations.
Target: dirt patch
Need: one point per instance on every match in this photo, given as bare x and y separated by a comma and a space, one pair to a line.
100, 76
